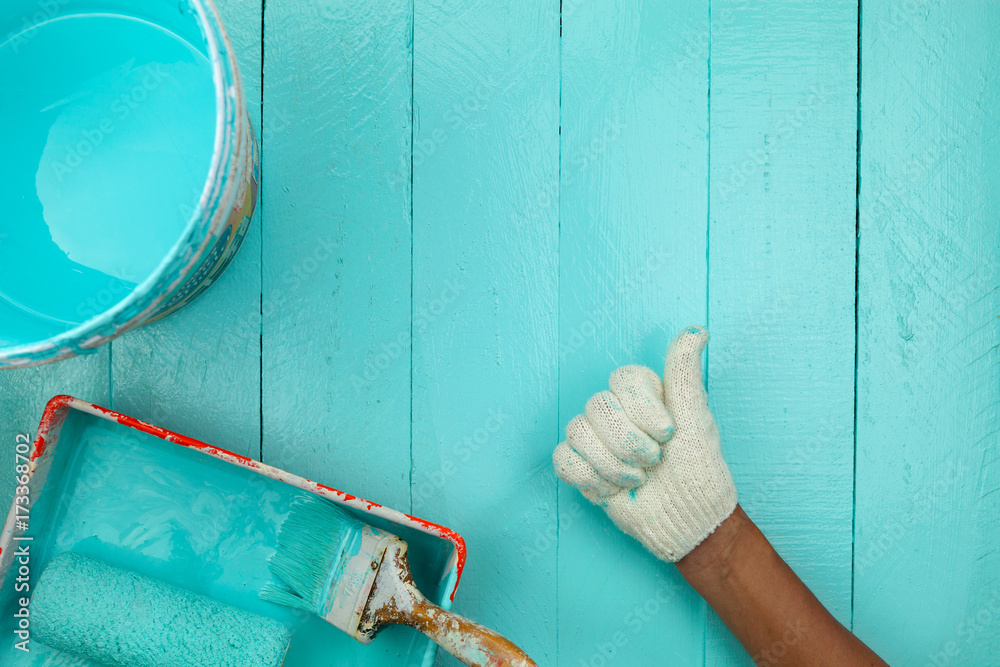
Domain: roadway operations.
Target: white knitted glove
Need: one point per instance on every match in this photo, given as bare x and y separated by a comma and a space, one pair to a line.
668, 488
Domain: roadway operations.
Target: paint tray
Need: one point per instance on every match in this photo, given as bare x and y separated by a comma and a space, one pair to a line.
195, 516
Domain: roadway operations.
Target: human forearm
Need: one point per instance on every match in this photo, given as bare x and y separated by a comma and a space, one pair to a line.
765, 605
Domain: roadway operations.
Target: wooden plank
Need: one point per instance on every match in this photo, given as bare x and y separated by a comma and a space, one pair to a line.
485, 170
336, 261
927, 567
632, 273
781, 280
24, 393
197, 372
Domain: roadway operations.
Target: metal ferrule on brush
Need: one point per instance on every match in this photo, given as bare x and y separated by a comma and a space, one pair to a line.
350, 585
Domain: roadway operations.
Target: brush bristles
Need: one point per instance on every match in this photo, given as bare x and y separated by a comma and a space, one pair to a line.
309, 547
284, 596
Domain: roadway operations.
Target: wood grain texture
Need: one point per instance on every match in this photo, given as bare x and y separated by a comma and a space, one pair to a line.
485, 234
336, 260
781, 280
198, 371
633, 215
575, 200
927, 564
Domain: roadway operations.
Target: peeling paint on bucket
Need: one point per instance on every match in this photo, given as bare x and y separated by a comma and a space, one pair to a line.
132, 170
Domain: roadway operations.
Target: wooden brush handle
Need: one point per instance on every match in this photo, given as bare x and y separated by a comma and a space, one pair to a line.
394, 598
473, 644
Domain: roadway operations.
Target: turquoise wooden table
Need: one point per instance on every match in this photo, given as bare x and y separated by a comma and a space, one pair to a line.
472, 212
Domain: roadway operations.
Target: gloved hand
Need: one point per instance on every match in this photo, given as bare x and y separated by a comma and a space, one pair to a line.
649, 453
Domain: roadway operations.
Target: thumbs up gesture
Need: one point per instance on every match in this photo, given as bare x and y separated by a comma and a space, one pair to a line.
648, 452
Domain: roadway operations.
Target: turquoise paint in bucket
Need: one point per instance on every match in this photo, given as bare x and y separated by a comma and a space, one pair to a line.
131, 172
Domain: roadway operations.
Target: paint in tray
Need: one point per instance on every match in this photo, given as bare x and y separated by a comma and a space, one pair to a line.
187, 518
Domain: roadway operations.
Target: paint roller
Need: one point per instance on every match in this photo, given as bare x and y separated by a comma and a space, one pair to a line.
119, 618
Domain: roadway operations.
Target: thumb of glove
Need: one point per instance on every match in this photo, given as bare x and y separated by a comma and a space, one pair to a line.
683, 389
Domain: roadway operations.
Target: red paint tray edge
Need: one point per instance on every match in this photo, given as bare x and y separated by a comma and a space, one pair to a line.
58, 408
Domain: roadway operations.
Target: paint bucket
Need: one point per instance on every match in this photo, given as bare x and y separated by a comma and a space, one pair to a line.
130, 171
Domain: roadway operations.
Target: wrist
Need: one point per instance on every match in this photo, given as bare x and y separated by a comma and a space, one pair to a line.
716, 555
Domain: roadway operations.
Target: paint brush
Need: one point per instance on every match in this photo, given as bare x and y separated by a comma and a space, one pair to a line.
357, 578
